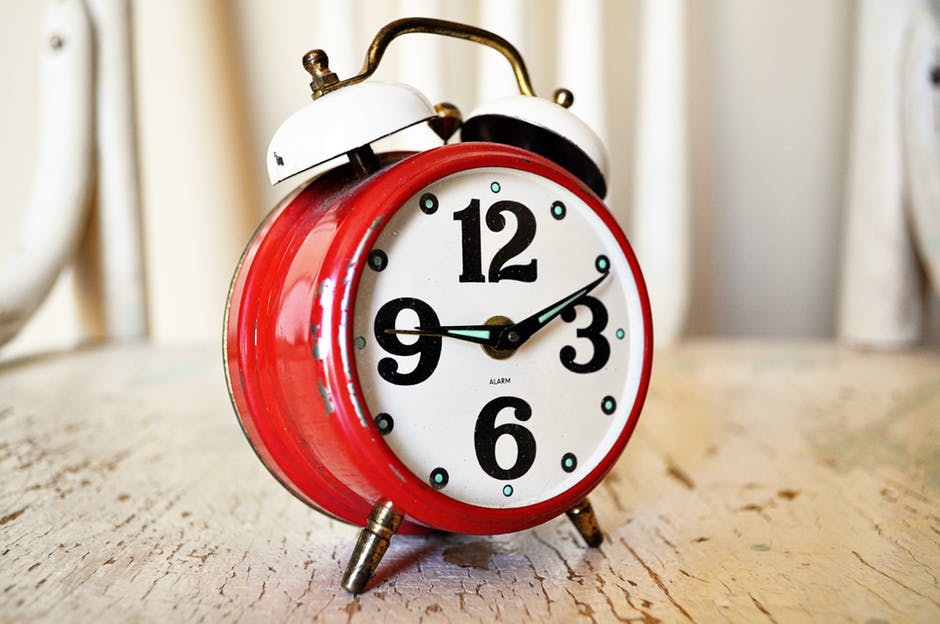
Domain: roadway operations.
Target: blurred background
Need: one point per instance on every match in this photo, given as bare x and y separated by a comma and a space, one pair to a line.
765, 104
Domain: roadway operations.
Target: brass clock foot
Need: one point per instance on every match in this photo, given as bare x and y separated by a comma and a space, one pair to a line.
372, 544
584, 520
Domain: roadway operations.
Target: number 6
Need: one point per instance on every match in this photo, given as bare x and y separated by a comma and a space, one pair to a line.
486, 434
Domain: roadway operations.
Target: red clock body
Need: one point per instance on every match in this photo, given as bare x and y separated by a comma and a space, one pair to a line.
324, 346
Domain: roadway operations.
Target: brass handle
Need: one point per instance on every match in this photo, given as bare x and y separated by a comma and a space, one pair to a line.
434, 27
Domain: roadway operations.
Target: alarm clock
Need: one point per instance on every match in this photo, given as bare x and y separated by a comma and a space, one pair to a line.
455, 339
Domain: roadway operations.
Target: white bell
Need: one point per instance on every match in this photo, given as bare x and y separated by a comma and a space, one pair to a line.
546, 128
341, 121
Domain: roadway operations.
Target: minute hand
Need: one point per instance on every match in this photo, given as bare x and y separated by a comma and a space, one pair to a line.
512, 337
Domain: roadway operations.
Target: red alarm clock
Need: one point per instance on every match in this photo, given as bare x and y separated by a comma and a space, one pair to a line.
457, 339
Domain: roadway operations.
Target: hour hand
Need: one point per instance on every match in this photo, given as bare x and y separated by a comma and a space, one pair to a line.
487, 335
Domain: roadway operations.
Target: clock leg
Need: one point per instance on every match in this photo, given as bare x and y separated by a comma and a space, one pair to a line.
584, 520
372, 544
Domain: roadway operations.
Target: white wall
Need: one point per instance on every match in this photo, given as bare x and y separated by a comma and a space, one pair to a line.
769, 103
769, 109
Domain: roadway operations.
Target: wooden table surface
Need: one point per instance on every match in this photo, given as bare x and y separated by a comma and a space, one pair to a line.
766, 482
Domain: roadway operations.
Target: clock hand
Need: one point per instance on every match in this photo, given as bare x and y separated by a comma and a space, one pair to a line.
502, 337
480, 334
512, 337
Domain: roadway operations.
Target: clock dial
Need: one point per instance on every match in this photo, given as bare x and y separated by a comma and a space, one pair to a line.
498, 337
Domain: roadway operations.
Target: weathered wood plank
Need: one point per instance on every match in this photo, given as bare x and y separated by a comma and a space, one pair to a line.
766, 482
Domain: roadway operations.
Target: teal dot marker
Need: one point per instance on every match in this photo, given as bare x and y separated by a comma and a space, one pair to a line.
438, 478
621, 334
360, 343
558, 210
378, 260
428, 203
385, 423
602, 264
507, 490
608, 405
494, 186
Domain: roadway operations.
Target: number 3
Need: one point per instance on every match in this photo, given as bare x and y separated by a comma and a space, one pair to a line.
592, 332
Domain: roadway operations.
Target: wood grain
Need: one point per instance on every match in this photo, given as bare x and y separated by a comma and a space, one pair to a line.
766, 483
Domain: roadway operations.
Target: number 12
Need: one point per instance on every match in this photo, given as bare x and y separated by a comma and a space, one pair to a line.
472, 252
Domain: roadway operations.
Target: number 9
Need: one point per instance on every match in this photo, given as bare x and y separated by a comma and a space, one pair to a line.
428, 347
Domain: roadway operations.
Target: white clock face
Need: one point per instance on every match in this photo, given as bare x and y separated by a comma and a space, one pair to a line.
498, 336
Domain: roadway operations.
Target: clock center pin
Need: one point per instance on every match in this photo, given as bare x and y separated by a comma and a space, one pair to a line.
499, 321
